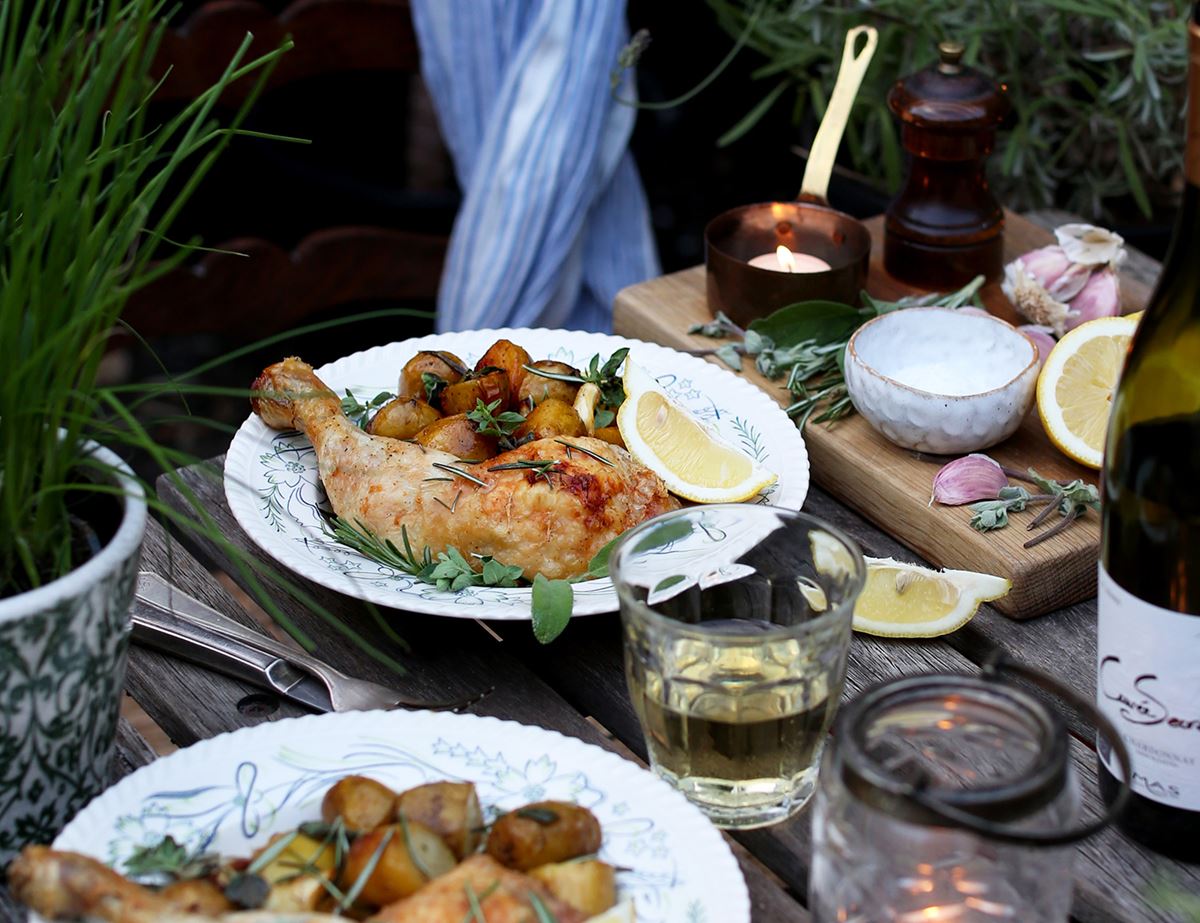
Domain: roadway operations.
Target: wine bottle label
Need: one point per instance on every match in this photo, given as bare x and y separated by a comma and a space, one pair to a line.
1148, 685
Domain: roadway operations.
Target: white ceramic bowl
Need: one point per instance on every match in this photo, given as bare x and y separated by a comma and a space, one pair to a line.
941, 381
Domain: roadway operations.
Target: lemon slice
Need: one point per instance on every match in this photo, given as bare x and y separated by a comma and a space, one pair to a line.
621, 913
692, 460
906, 601
1075, 388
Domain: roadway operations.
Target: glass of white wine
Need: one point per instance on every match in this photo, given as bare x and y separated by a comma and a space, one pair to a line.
736, 622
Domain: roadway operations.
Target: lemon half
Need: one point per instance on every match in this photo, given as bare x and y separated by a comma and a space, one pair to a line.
906, 601
1076, 385
692, 460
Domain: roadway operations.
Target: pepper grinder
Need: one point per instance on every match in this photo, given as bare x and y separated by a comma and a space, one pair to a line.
946, 227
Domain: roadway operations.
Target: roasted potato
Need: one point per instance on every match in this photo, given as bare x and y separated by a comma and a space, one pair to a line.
457, 436
449, 809
589, 886
551, 419
402, 418
199, 896
444, 365
464, 396
506, 355
414, 854
610, 434
291, 892
542, 833
362, 804
535, 389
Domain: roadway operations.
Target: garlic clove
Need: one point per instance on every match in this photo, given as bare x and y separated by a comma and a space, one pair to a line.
1101, 297
1046, 264
1090, 245
1041, 339
1070, 283
968, 480
1032, 300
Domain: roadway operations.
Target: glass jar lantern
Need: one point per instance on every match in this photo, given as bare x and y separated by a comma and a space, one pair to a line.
949, 798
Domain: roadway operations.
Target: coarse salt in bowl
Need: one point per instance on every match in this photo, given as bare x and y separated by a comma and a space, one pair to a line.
941, 381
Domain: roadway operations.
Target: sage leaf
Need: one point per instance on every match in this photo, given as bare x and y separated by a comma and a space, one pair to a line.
819, 321
551, 609
664, 534
730, 356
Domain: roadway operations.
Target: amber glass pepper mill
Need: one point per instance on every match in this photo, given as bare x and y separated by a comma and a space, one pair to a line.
945, 227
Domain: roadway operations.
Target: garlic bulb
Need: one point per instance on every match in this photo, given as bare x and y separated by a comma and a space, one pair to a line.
1066, 284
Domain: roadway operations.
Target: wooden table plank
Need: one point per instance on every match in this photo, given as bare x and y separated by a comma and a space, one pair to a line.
448, 653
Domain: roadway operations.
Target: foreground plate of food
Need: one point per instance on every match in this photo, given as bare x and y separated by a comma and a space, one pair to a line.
273, 487
234, 794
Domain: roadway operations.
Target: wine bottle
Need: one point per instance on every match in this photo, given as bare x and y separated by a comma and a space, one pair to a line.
1148, 645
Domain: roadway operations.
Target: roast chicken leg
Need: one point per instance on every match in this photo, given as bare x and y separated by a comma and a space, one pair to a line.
552, 523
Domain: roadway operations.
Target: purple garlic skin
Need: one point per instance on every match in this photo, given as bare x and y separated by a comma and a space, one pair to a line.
1101, 297
1062, 286
968, 480
1046, 264
1041, 339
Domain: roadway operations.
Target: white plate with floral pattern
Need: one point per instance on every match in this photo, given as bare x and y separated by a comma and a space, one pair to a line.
229, 794
272, 485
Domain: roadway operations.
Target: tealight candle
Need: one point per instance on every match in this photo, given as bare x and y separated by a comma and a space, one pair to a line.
784, 260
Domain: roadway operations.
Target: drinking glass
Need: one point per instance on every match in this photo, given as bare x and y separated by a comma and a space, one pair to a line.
736, 622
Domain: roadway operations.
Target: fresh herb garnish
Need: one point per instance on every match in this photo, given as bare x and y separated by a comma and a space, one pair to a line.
360, 414
489, 423
993, 514
271, 853
540, 909
806, 344
433, 385
552, 600
604, 377
460, 473
1072, 499
360, 882
543, 816
413, 854
578, 448
603, 418
543, 467
168, 859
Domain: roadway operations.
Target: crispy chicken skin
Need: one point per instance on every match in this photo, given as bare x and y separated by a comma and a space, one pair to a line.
71, 886
504, 897
517, 517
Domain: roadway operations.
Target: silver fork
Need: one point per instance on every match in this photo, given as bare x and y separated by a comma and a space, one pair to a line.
175, 623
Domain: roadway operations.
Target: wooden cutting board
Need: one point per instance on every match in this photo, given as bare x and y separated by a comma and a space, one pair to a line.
890, 485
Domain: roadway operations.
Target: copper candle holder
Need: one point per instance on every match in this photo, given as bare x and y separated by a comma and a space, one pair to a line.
746, 292
808, 226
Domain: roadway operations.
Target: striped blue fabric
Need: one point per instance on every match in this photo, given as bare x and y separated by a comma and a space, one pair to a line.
554, 219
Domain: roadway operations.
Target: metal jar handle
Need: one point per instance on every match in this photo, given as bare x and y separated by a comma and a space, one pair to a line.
993, 667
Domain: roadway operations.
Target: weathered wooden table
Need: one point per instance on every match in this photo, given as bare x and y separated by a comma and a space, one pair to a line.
576, 686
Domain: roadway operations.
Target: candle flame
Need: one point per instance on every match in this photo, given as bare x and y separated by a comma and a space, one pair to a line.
786, 260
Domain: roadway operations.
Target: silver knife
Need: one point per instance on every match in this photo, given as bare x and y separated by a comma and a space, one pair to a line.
168, 620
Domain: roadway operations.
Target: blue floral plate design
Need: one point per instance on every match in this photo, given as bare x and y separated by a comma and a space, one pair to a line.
272, 485
232, 792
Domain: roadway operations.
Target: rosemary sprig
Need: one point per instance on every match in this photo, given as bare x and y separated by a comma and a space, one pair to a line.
578, 448
805, 344
460, 473
360, 882
544, 468
604, 376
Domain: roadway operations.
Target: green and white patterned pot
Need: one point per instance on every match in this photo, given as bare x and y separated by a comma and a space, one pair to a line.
63, 651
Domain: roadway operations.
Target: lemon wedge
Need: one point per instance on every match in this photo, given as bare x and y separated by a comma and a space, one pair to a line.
1075, 388
906, 601
692, 460
621, 913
